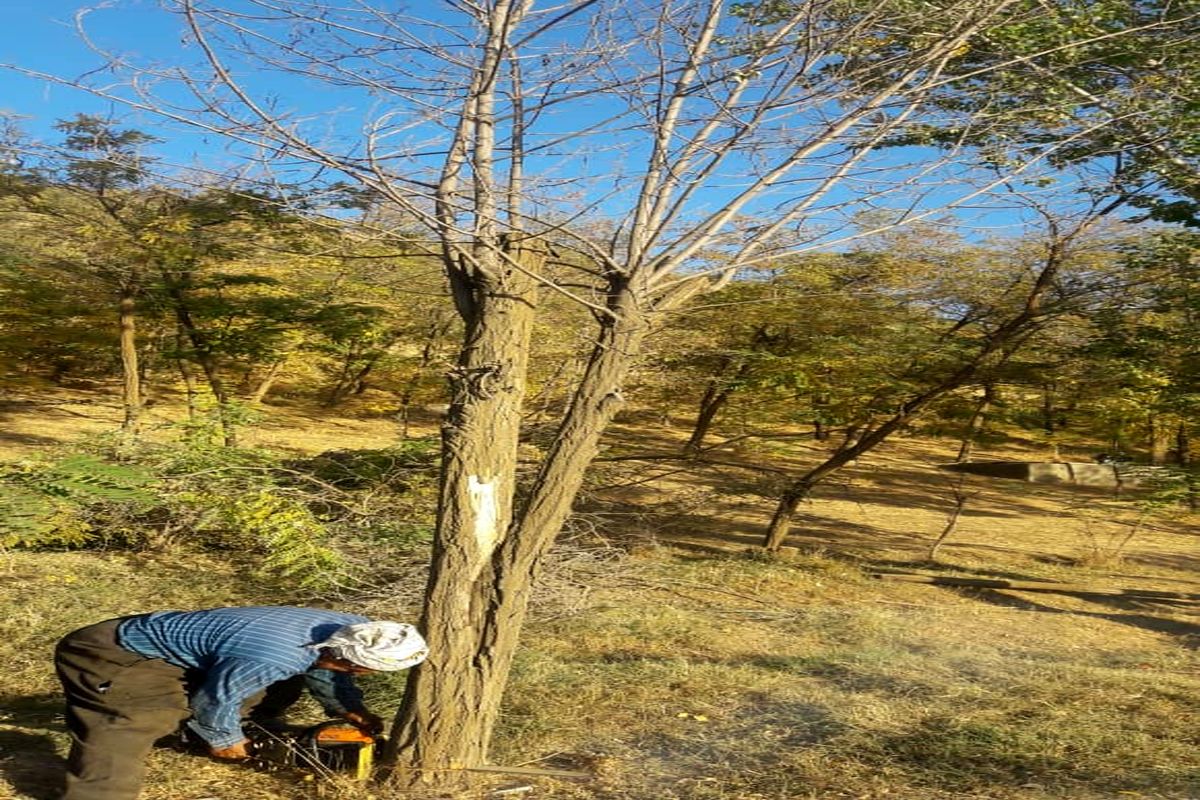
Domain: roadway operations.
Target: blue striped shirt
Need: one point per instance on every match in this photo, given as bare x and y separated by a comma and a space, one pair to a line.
242, 651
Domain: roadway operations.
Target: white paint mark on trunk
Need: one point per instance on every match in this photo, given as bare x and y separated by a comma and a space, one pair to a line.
484, 506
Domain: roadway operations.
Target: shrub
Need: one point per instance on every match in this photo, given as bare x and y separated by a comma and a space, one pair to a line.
44, 504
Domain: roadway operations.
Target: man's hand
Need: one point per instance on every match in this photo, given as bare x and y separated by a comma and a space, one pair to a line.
365, 720
235, 752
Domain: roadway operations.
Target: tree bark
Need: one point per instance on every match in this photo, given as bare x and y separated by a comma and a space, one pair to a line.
729, 377
354, 372
185, 372
1183, 448
799, 491
1049, 396
259, 394
716, 395
130, 371
483, 573
975, 423
207, 360
1159, 439
960, 504
820, 403
451, 701
434, 335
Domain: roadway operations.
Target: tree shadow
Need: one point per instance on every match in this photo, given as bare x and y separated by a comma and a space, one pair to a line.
1178, 561
952, 570
1188, 633
31, 764
28, 438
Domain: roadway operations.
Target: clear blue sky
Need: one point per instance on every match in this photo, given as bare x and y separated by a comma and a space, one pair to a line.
40, 35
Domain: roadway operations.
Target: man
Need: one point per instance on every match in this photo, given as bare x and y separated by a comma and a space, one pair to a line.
132, 680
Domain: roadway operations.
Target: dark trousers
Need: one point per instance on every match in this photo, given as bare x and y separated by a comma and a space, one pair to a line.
119, 703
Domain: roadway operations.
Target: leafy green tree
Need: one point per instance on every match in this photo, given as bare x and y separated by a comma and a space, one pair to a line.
1098, 80
812, 341
1019, 291
78, 208
1144, 354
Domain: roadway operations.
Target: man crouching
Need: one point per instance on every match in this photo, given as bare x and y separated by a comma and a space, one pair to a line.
132, 680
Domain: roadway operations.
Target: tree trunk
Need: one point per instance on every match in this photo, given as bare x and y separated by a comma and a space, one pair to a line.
799, 491
960, 503
820, 403
1159, 439
451, 701
259, 394
1048, 409
130, 371
1183, 448
185, 372
975, 423
207, 360
352, 366
731, 374
715, 397
481, 581
437, 331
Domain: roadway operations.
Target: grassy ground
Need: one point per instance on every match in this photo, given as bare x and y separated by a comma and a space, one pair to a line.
684, 667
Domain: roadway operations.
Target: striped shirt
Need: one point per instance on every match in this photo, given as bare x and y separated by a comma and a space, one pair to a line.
242, 651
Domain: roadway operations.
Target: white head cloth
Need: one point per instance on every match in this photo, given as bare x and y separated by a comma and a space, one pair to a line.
383, 646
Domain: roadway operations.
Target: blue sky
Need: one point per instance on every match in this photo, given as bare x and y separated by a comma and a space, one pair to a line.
40, 35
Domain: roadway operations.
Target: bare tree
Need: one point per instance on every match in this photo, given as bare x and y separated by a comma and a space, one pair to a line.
629, 155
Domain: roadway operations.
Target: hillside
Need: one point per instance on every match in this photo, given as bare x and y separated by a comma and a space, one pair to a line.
671, 662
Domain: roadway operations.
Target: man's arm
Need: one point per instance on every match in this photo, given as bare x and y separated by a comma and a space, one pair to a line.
335, 691
217, 704
339, 696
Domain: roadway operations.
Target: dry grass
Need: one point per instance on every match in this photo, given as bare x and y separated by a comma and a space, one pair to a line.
691, 670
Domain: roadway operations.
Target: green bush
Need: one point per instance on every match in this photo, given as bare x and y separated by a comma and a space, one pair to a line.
47, 504
309, 525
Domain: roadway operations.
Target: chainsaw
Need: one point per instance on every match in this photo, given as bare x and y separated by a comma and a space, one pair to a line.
326, 749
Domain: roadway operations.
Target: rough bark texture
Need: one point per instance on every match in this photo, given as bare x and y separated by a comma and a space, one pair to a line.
485, 565
130, 372
453, 692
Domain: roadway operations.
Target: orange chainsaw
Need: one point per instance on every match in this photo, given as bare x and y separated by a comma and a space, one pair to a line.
328, 748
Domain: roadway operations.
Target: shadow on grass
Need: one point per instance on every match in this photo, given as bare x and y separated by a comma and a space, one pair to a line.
43, 711
1188, 633
951, 569
28, 438
1183, 563
31, 764
977, 757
